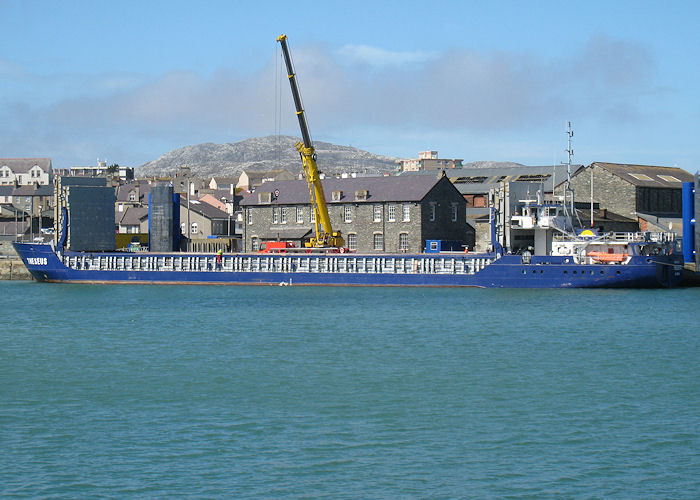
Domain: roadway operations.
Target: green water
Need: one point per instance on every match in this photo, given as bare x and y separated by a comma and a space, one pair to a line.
285, 392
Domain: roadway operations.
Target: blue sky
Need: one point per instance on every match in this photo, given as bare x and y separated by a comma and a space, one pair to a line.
129, 81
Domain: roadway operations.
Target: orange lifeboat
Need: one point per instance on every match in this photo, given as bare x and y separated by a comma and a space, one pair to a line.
607, 257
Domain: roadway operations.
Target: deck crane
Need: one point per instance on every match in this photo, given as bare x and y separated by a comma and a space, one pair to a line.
325, 236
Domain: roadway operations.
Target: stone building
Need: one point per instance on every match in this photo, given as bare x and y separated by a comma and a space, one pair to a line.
374, 214
632, 190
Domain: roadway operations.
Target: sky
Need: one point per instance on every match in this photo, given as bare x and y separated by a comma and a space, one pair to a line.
128, 81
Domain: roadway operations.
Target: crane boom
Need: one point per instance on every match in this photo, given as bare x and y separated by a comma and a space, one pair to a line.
325, 236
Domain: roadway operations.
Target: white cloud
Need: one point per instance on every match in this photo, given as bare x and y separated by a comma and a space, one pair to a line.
377, 57
459, 91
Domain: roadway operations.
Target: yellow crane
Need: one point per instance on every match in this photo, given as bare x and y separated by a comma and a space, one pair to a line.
325, 236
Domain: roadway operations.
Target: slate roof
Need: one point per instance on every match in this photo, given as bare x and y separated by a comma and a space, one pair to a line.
33, 191
648, 175
475, 180
24, 165
225, 181
124, 189
380, 189
6, 190
205, 209
133, 216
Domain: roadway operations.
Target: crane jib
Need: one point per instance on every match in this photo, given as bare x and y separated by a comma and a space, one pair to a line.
325, 236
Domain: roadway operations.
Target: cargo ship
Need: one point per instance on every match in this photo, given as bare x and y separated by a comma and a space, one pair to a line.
635, 264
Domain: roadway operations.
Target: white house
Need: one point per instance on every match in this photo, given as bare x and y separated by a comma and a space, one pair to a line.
25, 171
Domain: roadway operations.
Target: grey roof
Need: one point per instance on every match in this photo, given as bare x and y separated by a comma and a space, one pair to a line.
205, 209
123, 190
33, 191
472, 180
6, 190
225, 181
133, 216
24, 165
380, 189
648, 175
662, 220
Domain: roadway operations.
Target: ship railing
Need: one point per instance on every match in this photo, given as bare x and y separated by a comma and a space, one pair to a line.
275, 263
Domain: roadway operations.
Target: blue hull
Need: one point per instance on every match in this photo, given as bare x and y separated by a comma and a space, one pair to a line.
505, 272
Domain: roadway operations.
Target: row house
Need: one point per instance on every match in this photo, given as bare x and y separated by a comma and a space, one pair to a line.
373, 214
25, 171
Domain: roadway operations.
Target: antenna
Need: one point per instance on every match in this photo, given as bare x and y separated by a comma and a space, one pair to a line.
569, 190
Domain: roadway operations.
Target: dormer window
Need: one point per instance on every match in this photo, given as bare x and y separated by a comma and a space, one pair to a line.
265, 197
361, 195
337, 195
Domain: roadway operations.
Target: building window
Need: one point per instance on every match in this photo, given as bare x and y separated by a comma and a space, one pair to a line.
313, 215
403, 242
392, 213
275, 215
284, 215
250, 216
454, 212
194, 229
406, 213
132, 196
300, 215
347, 213
183, 227
377, 213
433, 211
378, 241
255, 242
352, 241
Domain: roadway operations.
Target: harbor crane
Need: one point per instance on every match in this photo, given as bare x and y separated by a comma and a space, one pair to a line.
325, 236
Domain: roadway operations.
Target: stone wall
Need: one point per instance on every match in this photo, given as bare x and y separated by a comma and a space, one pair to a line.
13, 269
610, 191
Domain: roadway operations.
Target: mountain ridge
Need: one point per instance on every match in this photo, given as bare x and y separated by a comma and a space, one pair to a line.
275, 152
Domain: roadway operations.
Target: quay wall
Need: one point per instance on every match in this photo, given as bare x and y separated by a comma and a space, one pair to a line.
11, 267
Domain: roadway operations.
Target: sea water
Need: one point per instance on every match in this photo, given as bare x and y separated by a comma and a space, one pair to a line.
324, 392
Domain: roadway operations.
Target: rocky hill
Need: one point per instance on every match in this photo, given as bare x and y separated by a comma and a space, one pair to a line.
264, 153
